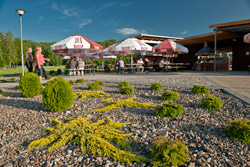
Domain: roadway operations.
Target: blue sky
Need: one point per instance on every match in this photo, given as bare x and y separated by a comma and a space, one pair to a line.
98, 20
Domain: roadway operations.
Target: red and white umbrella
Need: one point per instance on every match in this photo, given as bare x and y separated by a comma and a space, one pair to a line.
108, 51
247, 38
78, 46
169, 47
131, 46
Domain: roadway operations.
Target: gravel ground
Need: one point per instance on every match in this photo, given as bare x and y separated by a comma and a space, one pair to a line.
23, 119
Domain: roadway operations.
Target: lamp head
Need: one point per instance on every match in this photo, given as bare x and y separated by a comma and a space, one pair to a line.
20, 11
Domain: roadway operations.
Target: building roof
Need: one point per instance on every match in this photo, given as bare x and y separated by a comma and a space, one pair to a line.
155, 37
209, 37
230, 24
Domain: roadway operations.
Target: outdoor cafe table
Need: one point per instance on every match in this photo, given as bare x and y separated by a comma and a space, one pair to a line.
131, 67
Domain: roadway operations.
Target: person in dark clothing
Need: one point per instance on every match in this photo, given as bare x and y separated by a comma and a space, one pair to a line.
29, 60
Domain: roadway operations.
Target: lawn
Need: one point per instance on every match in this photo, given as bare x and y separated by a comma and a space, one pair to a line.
17, 71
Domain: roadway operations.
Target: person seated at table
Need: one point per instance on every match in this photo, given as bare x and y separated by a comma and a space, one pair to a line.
162, 64
140, 65
106, 67
167, 67
120, 65
80, 66
147, 64
72, 65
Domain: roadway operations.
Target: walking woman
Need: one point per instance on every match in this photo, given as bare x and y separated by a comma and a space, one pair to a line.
29, 60
39, 60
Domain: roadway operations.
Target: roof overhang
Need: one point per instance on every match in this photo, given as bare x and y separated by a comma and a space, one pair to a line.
209, 37
155, 37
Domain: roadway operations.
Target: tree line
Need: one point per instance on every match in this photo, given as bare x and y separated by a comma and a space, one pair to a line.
10, 50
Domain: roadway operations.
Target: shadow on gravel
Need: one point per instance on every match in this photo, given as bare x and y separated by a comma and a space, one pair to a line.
23, 104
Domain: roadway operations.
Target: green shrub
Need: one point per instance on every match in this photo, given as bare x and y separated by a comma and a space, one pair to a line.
239, 130
52, 72
169, 109
71, 82
80, 81
17, 87
200, 90
57, 95
156, 86
94, 86
211, 103
123, 84
166, 153
129, 90
169, 95
59, 71
13, 79
101, 83
30, 85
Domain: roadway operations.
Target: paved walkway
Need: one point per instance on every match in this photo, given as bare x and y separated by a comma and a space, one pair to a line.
235, 83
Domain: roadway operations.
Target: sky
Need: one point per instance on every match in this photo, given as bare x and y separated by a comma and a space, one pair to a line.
99, 20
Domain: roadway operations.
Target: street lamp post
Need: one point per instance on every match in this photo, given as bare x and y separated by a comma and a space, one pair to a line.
21, 12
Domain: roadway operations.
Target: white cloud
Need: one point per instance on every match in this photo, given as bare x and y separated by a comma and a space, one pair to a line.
106, 5
40, 19
66, 11
128, 31
84, 23
185, 32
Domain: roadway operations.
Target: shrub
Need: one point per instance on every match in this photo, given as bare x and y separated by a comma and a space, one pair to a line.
123, 84
13, 79
166, 153
169, 109
30, 85
111, 104
94, 86
211, 103
101, 83
80, 81
59, 71
102, 138
57, 95
129, 90
239, 130
71, 82
200, 90
52, 72
84, 95
169, 95
156, 86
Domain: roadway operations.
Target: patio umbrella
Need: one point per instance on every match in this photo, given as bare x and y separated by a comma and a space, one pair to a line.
131, 46
247, 38
169, 47
77, 46
108, 52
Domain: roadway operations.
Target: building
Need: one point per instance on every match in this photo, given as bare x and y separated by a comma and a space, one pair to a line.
226, 38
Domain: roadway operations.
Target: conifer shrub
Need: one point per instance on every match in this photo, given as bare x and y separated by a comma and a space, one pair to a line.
13, 79
128, 90
239, 130
59, 71
156, 86
94, 86
57, 95
102, 138
87, 94
197, 89
101, 83
211, 103
111, 104
169, 109
169, 95
30, 85
166, 152
71, 82
80, 81
123, 84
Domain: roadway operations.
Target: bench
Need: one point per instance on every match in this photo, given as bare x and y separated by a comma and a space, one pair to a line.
78, 71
